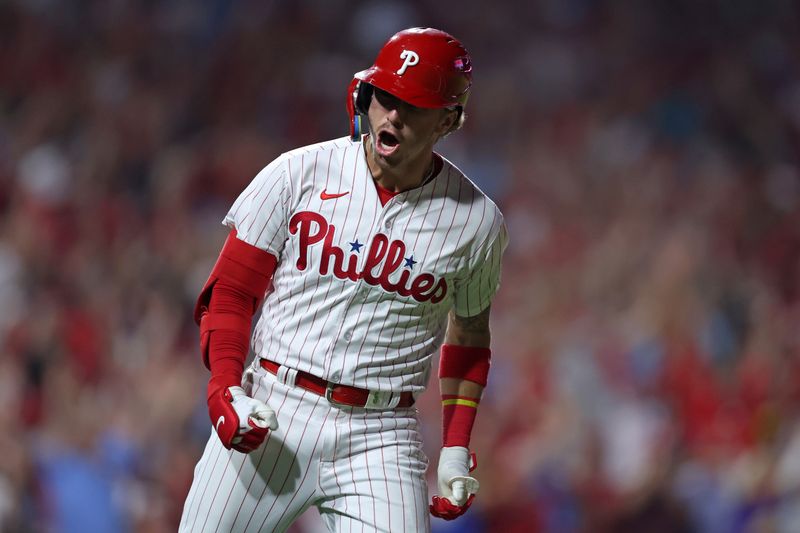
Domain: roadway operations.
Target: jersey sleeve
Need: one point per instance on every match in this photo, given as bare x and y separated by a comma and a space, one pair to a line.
475, 289
259, 214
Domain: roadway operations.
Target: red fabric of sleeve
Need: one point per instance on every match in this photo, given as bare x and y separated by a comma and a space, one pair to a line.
465, 362
242, 265
227, 348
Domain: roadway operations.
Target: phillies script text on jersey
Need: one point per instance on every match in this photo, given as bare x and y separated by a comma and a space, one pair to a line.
313, 228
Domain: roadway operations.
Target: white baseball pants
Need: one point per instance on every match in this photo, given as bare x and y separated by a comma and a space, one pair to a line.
364, 470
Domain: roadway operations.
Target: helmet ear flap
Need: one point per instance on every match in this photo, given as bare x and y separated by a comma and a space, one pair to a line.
363, 97
359, 95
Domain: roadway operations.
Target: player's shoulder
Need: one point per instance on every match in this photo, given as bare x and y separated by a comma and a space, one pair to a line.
284, 162
466, 190
297, 164
333, 145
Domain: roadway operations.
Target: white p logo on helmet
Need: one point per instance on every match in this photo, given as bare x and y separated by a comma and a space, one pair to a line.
410, 58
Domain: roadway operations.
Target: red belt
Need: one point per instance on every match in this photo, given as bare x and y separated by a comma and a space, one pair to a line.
344, 394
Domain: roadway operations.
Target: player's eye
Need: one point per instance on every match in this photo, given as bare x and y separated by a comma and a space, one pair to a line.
390, 102
387, 100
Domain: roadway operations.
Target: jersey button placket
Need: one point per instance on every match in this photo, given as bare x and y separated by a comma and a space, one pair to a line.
387, 216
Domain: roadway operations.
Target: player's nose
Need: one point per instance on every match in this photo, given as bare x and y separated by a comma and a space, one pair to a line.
394, 117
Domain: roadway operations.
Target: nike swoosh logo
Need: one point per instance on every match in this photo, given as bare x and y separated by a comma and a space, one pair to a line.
220, 420
330, 196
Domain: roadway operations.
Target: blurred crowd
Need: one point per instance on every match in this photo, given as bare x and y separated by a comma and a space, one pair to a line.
646, 337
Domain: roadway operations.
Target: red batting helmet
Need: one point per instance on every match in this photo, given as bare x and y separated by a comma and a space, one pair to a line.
424, 67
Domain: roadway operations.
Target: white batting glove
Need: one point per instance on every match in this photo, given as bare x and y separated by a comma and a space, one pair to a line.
251, 412
456, 486
455, 483
241, 422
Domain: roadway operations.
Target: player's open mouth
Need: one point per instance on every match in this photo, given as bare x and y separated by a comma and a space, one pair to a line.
386, 143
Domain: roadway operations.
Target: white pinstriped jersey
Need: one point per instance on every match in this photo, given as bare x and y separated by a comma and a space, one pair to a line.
362, 290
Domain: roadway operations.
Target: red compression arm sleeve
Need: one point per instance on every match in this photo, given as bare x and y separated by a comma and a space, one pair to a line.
225, 308
228, 347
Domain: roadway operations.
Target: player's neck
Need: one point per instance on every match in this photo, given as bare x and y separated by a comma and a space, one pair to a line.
403, 177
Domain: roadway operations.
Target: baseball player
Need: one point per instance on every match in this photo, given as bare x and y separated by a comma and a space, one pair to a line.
369, 254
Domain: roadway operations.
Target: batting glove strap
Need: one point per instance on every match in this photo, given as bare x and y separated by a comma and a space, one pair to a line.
446, 510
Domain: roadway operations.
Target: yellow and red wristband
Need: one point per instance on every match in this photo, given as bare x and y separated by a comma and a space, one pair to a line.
458, 417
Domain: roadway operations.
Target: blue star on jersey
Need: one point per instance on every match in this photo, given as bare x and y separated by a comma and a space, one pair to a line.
355, 246
410, 262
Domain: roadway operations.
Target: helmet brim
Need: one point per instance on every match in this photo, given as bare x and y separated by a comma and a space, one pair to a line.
411, 94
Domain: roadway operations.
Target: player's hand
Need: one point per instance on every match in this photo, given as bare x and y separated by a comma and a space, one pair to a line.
457, 488
241, 422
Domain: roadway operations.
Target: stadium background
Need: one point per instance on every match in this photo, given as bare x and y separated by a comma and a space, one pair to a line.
646, 373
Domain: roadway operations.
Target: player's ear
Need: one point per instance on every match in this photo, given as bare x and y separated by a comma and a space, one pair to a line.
447, 122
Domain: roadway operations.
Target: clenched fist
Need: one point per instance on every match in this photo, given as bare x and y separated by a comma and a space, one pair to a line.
457, 488
241, 422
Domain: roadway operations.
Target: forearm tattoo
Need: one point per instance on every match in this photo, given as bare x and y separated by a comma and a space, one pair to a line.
472, 324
